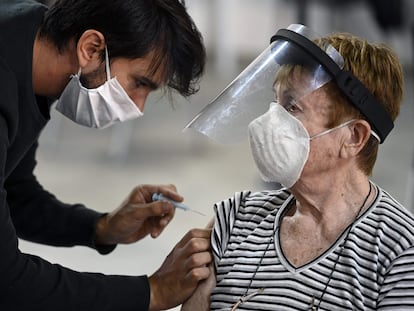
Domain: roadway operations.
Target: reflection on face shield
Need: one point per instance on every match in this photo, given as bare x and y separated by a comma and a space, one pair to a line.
291, 52
293, 82
226, 118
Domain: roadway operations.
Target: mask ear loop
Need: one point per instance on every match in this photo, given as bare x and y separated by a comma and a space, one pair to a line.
376, 136
108, 70
107, 67
343, 125
332, 129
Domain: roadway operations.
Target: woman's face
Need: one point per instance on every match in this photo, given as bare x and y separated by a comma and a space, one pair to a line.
314, 109
311, 107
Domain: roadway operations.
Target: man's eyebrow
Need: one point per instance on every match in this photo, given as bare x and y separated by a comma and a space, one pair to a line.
151, 84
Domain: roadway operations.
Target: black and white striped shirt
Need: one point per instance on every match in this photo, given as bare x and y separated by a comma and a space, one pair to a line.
375, 270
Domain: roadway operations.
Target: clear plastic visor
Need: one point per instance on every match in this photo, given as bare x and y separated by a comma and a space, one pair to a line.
227, 117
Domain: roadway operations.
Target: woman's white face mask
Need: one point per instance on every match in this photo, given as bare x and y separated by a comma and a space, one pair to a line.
100, 107
280, 145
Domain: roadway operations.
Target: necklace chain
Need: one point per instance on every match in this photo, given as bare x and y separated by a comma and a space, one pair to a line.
246, 296
348, 231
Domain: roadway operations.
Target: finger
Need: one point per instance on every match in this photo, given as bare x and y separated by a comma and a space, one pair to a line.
198, 274
194, 246
155, 209
194, 233
171, 193
160, 224
199, 259
165, 220
168, 191
143, 193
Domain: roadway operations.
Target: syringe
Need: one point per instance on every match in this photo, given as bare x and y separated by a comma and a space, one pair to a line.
160, 197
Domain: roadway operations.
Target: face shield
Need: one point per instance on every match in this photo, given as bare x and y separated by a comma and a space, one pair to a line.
226, 118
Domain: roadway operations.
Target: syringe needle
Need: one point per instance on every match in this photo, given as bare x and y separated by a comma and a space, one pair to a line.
160, 197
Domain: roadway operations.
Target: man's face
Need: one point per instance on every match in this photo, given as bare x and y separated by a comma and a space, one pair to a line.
133, 75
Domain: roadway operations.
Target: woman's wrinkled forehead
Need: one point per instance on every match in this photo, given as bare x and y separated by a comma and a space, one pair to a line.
294, 80
295, 85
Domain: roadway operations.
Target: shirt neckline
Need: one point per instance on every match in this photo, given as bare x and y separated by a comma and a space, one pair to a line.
329, 251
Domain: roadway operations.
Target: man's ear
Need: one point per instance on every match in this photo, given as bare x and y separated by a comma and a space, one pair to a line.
89, 49
360, 131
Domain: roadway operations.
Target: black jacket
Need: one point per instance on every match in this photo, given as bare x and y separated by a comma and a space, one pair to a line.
27, 210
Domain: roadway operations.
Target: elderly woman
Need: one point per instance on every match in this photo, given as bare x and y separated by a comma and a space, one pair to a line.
330, 239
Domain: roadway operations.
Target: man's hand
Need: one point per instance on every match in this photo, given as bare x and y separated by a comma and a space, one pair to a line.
182, 270
200, 299
137, 216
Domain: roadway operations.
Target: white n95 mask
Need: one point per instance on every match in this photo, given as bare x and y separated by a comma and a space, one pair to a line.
99, 107
280, 145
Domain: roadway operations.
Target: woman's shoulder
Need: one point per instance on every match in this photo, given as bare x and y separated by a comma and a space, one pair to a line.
256, 200
388, 205
272, 197
393, 218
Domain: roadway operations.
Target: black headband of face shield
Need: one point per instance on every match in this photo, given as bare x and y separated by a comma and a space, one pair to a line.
350, 85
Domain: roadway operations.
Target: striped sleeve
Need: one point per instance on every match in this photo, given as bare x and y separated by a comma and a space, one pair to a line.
397, 292
225, 215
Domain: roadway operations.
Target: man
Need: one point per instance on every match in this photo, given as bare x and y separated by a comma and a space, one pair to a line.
101, 59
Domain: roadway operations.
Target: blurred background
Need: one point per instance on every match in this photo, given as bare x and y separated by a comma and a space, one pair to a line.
100, 167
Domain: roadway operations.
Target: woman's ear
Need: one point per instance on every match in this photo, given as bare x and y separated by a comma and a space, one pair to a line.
360, 131
89, 49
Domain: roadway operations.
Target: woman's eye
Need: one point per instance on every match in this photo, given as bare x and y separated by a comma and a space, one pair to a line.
291, 108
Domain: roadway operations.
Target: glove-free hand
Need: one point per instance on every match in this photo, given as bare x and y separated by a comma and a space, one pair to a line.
137, 216
182, 270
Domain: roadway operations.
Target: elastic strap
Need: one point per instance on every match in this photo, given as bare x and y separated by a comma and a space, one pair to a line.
108, 70
353, 89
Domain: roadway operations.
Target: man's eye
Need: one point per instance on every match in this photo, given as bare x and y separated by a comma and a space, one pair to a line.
144, 83
139, 83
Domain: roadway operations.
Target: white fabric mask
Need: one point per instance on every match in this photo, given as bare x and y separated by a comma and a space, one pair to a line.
280, 145
100, 107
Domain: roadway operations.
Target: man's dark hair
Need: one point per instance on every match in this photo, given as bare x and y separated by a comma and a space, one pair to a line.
132, 29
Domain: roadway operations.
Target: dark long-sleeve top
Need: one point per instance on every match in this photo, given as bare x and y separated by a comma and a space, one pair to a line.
27, 210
